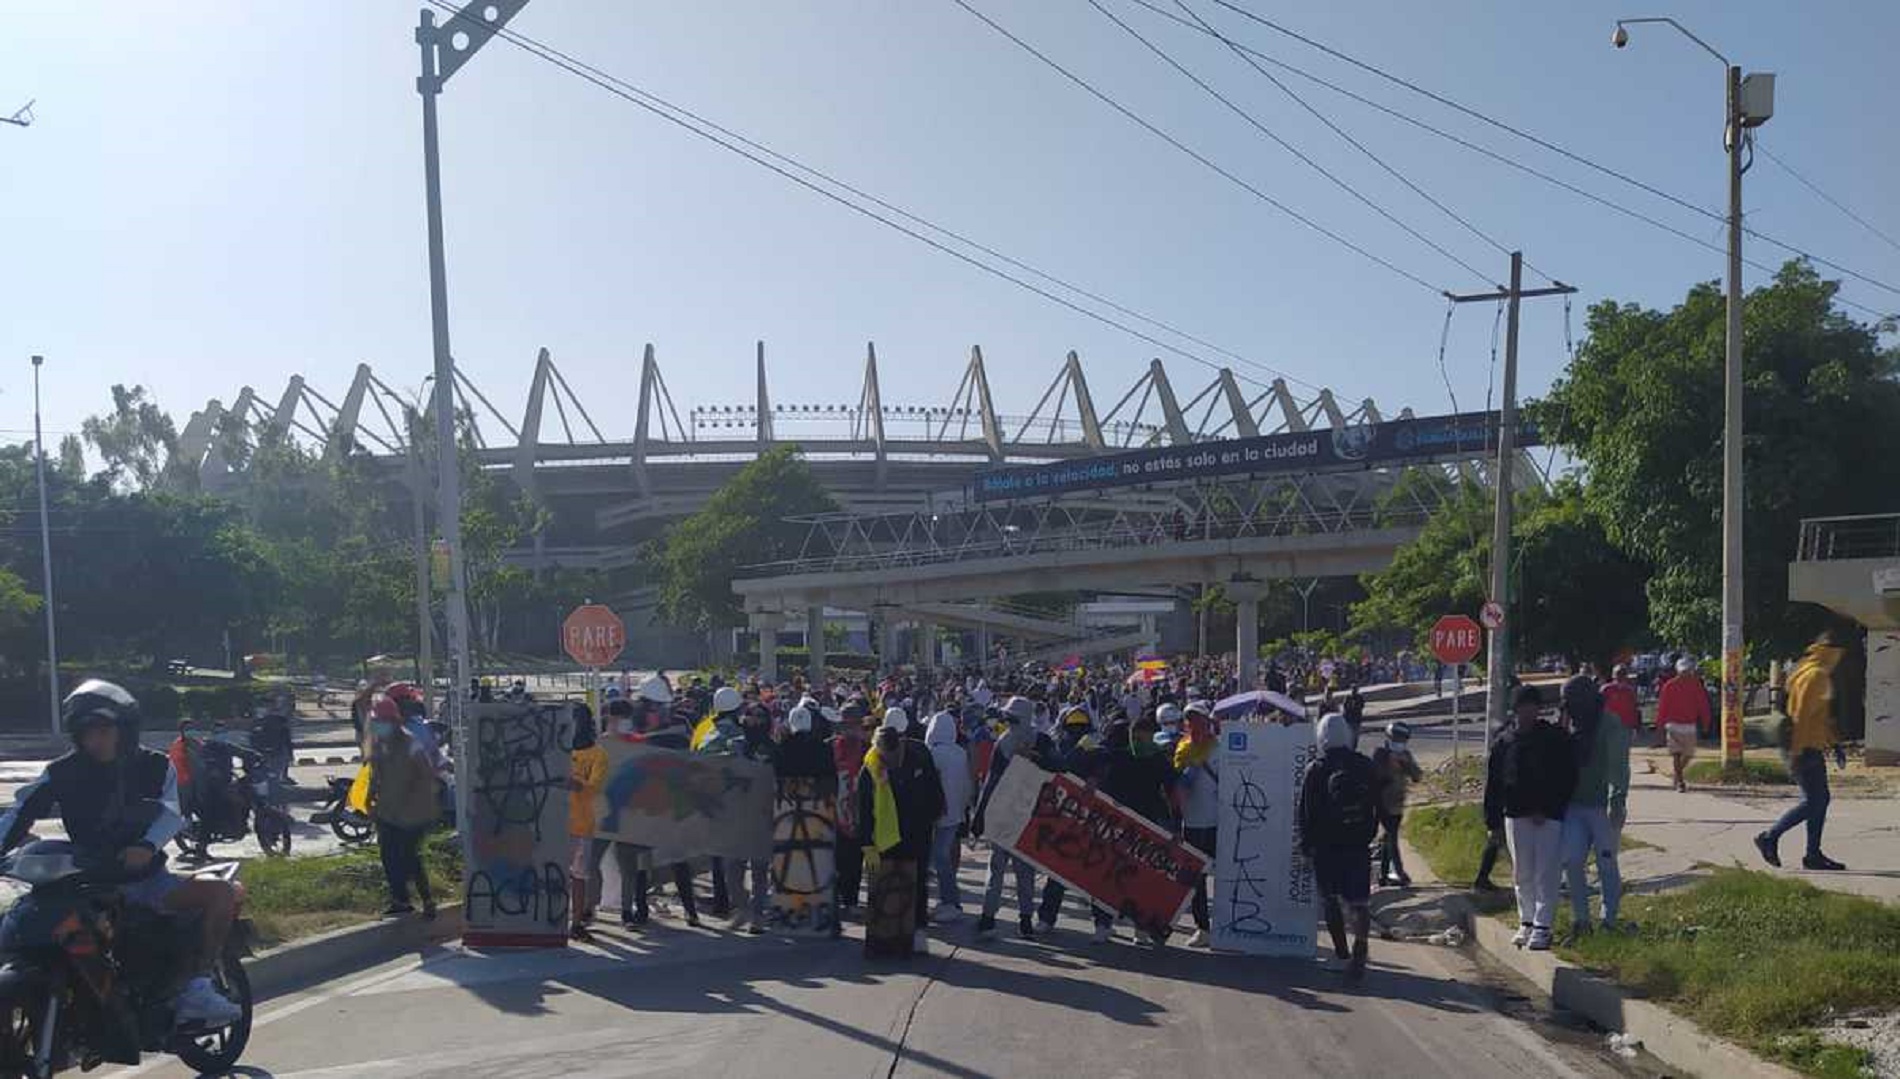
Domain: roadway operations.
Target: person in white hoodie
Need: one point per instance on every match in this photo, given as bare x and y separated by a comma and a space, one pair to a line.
959, 786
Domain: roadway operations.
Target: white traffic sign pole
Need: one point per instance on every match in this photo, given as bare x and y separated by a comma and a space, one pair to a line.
1457, 692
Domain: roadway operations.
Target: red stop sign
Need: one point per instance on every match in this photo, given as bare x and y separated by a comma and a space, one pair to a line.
593, 635
1456, 639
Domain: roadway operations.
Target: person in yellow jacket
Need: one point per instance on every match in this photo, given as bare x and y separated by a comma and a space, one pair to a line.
1812, 735
585, 777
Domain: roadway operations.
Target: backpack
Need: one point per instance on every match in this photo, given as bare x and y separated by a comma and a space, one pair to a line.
1349, 800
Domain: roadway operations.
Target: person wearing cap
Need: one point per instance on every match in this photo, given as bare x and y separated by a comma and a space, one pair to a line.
1683, 713
899, 802
1019, 739
1620, 699
1396, 770
803, 757
1529, 781
848, 745
720, 734
1198, 793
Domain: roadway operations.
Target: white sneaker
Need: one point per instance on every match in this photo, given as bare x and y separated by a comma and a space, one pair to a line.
1103, 934
1521, 937
201, 1003
1539, 940
1198, 940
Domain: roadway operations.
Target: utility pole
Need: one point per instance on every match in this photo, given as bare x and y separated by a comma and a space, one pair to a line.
1749, 102
444, 50
425, 621
46, 549
1498, 662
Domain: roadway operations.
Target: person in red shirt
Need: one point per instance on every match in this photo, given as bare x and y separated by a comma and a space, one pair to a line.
1682, 711
1619, 698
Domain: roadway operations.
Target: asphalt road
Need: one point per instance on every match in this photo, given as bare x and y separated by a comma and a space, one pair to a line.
716, 1005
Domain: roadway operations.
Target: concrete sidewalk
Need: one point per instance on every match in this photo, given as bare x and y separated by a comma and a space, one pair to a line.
1709, 826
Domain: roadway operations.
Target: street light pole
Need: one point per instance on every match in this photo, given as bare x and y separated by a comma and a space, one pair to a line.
1738, 117
46, 552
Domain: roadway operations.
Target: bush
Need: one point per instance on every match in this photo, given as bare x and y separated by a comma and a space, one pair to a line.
798, 659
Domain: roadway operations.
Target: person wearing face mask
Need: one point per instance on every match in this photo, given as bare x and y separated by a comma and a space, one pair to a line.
899, 801
1138, 774
1397, 770
1338, 816
1074, 753
1198, 789
848, 747
586, 774
1019, 739
402, 802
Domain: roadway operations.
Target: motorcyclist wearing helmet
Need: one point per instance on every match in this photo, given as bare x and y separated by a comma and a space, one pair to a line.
117, 798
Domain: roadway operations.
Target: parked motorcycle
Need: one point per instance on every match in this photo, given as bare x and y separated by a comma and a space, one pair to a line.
87, 979
226, 807
349, 826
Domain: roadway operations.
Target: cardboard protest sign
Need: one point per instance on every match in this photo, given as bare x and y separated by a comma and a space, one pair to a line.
804, 858
1122, 861
685, 805
515, 891
1263, 901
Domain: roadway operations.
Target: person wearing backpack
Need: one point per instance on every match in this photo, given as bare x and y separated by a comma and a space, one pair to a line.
1338, 817
1531, 777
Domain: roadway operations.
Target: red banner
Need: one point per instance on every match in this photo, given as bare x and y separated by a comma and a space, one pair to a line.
1122, 861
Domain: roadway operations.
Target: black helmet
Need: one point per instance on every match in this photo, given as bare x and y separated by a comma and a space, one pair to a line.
98, 699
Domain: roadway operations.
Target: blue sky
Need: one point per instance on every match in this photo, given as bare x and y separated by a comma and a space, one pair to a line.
232, 192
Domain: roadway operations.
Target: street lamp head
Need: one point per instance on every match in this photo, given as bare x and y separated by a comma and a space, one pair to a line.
1621, 37
37, 360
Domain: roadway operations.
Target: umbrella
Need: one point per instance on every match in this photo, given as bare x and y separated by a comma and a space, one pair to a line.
1256, 702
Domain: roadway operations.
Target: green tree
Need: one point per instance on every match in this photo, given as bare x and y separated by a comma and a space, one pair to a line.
136, 440
742, 524
1641, 408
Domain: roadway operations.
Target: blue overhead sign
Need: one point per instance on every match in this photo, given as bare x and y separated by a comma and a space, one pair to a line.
1332, 449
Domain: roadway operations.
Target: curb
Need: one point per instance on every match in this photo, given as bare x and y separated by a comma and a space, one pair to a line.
301, 963
1670, 1038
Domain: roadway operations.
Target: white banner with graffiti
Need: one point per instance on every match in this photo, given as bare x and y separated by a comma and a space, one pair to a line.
1263, 901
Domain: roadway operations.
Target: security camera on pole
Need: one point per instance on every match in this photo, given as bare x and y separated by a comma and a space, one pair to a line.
1751, 102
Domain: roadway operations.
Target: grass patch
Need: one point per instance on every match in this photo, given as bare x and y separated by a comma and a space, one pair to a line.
1754, 772
1451, 779
1626, 841
1451, 837
1760, 960
297, 897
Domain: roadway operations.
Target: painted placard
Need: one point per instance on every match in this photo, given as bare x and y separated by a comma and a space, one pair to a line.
685, 805
515, 889
804, 858
1263, 901
1122, 861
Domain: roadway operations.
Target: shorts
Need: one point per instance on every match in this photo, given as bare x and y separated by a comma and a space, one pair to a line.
152, 891
1345, 872
580, 855
1681, 738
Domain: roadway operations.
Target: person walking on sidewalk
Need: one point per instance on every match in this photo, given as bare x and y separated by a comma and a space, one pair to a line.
1593, 823
1533, 772
1811, 734
1620, 700
1682, 711
1396, 771
1338, 816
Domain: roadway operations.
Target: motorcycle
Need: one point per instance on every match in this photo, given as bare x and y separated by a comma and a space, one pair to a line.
350, 827
226, 807
88, 979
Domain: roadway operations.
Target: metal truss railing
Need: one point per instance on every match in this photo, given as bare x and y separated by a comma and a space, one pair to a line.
1824, 539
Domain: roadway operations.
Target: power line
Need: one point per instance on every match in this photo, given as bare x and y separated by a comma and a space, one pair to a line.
1195, 154
1829, 199
1485, 151
1547, 144
666, 110
1353, 142
1284, 144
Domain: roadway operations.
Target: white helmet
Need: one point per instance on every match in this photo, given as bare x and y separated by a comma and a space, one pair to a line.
896, 719
1168, 715
654, 691
726, 699
799, 721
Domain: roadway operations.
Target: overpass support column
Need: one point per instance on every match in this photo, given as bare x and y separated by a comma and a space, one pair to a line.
767, 624
928, 649
983, 644
1247, 594
815, 642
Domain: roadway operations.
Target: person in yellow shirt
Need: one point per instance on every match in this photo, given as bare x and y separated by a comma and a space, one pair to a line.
585, 777
1812, 733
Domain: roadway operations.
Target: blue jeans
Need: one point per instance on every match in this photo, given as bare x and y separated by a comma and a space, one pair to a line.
1810, 775
1003, 864
1587, 830
943, 856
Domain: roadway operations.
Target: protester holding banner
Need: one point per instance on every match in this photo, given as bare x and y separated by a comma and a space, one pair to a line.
1138, 774
1018, 740
900, 799
1338, 818
1199, 796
